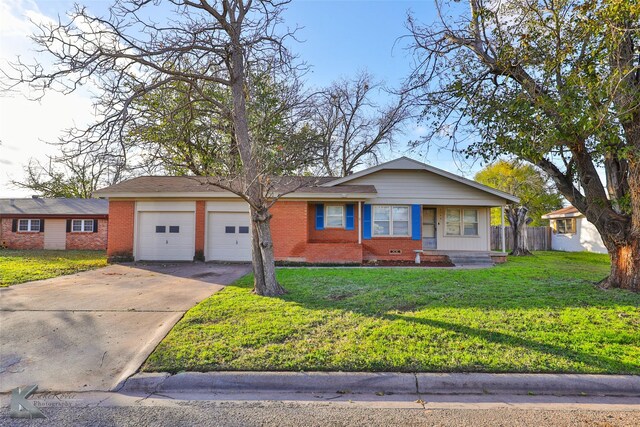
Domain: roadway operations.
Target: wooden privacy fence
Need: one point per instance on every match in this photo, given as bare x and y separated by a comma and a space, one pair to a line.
539, 238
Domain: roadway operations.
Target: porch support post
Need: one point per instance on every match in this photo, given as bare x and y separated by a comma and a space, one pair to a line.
359, 223
502, 237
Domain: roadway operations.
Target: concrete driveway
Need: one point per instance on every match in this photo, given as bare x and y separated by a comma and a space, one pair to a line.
92, 330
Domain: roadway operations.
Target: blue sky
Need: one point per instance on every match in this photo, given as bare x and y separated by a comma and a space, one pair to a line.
343, 37
339, 38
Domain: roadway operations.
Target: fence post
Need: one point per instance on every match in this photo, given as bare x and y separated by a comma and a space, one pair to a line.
503, 242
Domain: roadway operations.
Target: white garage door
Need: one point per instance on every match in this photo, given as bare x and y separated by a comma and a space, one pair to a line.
166, 236
228, 236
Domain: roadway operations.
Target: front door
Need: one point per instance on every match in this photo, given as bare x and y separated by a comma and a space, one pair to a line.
429, 229
55, 234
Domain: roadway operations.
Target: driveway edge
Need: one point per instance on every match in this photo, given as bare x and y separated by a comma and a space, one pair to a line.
141, 356
385, 382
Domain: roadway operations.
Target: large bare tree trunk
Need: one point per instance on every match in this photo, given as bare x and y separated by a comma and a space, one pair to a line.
265, 282
518, 221
622, 239
625, 267
268, 285
256, 257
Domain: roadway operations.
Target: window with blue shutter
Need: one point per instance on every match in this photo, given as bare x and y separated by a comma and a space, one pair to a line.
319, 217
416, 222
366, 222
349, 215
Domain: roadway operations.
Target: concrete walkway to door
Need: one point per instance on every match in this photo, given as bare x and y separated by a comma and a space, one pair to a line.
92, 330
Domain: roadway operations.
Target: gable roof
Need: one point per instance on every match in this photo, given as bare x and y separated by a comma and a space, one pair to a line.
567, 212
405, 163
54, 207
157, 185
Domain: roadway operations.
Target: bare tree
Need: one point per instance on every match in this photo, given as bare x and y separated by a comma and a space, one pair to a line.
353, 126
75, 176
144, 46
555, 83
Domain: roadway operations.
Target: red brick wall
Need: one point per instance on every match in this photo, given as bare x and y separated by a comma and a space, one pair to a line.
120, 234
21, 239
333, 253
89, 241
200, 220
293, 224
378, 248
338, 235
289, 229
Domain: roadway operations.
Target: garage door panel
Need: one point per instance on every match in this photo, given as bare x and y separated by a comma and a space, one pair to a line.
166, 236
228, 236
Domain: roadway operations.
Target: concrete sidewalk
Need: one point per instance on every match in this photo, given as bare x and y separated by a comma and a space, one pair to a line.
385, 383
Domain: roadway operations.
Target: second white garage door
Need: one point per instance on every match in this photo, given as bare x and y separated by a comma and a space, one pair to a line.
228, 236
166, 236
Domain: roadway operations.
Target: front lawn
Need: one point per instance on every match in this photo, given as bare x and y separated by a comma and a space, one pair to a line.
535, 314
24, 266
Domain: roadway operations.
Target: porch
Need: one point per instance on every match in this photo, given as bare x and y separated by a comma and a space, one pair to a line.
356, 231
462, 258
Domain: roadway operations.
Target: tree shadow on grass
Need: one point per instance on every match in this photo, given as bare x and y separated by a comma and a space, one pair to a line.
592, 361
382, 300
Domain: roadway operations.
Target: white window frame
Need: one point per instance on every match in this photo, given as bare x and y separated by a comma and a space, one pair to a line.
462, 223
326, 216
30, 226
392, 232
83, 225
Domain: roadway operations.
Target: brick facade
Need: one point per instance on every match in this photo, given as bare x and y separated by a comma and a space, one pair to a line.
35, 240
89, 241
377, 248
294, 234
331, 235
300, 241
120, 235
20, 239
289, 230
200, 227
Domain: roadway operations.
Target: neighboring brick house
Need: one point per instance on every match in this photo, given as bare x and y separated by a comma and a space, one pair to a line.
59, 224
387, 212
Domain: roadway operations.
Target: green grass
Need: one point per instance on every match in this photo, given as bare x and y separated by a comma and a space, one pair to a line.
534, 314
25, 266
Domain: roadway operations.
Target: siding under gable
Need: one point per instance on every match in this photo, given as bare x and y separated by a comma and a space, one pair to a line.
423, 187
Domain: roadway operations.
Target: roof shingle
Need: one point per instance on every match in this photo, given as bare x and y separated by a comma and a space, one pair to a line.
41, 206
196, 184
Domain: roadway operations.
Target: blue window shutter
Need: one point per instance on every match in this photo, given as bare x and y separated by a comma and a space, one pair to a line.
416, 222
366, 222
349, 225
319, 217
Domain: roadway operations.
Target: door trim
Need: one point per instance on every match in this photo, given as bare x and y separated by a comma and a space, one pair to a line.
435, 226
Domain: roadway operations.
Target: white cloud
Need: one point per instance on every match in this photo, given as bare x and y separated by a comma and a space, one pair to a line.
26, 127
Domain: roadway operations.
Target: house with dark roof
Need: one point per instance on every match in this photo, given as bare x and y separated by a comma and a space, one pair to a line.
571, 232
39, 223
392, 212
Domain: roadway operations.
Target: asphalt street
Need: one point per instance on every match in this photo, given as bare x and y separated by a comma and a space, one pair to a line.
109, 409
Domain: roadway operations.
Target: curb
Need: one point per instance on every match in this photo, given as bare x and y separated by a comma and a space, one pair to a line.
387, 382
